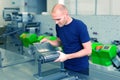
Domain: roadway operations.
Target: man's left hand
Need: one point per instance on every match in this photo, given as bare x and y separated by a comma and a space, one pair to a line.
62, 57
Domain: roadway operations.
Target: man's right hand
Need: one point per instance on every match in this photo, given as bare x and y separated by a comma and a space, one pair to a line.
44, 40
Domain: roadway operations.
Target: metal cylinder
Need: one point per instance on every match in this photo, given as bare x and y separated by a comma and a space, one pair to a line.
49, 56
0, 59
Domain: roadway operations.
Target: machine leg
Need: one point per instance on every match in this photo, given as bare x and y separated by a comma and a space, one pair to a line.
0, 60
38, 76
39, 68
62, 66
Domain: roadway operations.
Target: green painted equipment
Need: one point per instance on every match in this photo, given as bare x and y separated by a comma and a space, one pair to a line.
28, 39
48, 37
103, 54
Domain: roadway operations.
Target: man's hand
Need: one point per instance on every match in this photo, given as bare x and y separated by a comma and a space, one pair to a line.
44, 40
62, 57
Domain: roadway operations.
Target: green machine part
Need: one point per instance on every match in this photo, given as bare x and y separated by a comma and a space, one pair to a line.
108, 52
95, 57
28, 39
103, 54
45, 36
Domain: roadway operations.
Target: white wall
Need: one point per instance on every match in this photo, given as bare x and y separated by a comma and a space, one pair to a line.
115, 7
50, 4
106, 27
86, 7
89, 7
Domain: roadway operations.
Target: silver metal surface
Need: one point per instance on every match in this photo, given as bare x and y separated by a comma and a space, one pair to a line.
44, 47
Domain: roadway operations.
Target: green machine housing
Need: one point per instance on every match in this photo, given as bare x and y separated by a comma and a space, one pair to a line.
28, 38
103, 54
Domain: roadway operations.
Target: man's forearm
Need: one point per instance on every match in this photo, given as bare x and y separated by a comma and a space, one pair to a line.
78, 54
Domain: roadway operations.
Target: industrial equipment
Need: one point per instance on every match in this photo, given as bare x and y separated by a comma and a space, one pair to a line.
30, 38
46, 53
13, 29
27, 39
8, 13
19, 22
19, 59
104, 61
14, 14
32, 27
116, 62
103, 54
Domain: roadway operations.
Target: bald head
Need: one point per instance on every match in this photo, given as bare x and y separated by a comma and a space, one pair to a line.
59, 13
59, 8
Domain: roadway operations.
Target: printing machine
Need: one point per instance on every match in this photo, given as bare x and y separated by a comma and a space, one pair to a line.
46, 53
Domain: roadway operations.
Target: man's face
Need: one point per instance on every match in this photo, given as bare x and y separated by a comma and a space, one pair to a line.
59, 18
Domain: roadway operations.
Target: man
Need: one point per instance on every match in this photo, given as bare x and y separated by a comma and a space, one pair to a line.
73, 36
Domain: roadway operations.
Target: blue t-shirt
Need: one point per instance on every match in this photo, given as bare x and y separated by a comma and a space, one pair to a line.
72, 36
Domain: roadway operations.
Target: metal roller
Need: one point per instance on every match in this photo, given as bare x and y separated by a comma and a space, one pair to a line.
49, 56
46, 52
44, 47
